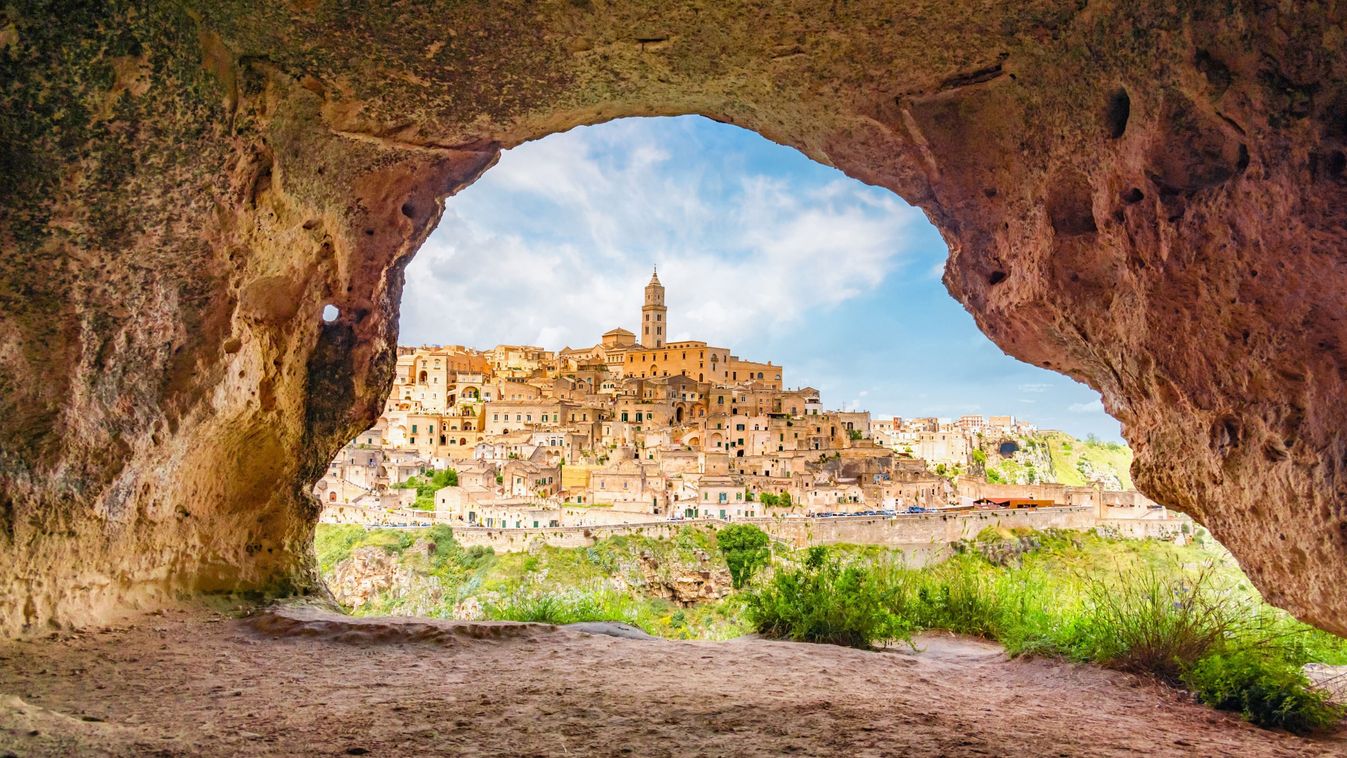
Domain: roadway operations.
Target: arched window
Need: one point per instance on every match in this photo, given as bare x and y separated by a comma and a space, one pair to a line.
332, 496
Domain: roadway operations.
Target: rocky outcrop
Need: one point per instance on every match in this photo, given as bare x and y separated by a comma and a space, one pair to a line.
684, 583
1148, 197
376, 578
369, 572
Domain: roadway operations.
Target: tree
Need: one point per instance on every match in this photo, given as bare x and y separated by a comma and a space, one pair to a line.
784, 500
427, 486
746, 549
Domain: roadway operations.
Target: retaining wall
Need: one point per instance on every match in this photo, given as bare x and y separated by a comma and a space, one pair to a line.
921, 530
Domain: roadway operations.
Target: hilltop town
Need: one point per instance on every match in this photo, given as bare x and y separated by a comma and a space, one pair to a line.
639, 430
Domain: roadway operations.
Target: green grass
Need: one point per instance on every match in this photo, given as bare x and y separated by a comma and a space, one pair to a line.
1143, 607
1066, 453
1184, 614
831, 601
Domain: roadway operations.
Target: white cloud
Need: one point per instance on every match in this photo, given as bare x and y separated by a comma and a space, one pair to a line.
555, 244
1095, 406
1035, 387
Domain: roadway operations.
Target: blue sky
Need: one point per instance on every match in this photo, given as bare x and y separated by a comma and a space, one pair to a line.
761, 250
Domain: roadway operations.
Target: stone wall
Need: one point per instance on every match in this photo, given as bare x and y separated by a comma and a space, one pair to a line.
914, 530
375, 517
1143, 528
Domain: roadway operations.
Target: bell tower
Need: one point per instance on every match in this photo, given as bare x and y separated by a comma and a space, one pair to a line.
654, 322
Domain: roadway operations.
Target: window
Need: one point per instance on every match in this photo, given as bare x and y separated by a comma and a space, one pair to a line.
413, 428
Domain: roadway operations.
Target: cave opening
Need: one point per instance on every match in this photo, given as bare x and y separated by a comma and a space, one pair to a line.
536, 387
188, 186
566, 442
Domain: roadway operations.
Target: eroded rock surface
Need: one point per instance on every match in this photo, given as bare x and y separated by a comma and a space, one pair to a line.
1145, 196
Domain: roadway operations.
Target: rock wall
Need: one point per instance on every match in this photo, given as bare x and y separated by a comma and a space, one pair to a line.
910, 531
1145, 196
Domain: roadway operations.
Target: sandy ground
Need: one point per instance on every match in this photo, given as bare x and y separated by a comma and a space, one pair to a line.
306, 682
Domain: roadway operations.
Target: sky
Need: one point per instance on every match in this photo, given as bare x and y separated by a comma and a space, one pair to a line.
760, 250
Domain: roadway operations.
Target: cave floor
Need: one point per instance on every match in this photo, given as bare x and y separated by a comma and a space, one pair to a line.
303, 681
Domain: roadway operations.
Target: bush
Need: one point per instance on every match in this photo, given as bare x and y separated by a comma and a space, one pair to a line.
825, 601
960, 599
542, 609
1271, 694
426, 486
555, 608
1157, 624
745, 548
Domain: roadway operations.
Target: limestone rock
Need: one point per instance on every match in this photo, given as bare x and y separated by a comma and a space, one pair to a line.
1147, 197
370, 572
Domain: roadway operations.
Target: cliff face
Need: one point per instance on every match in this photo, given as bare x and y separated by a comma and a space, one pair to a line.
1148, 197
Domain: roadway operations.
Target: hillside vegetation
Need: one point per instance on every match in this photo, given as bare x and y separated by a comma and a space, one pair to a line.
1185, 614
1057, 457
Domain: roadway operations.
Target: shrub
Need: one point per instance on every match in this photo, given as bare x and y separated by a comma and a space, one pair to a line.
745, 548
1156, 624
1266, 692
960, 598
825, 601
558, 607
540, 608
426, 486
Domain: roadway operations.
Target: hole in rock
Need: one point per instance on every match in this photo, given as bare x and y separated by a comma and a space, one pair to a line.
627, 339
1118, 112
1337, 163
331, 313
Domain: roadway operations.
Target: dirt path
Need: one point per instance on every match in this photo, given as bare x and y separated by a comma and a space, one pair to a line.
307, 682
